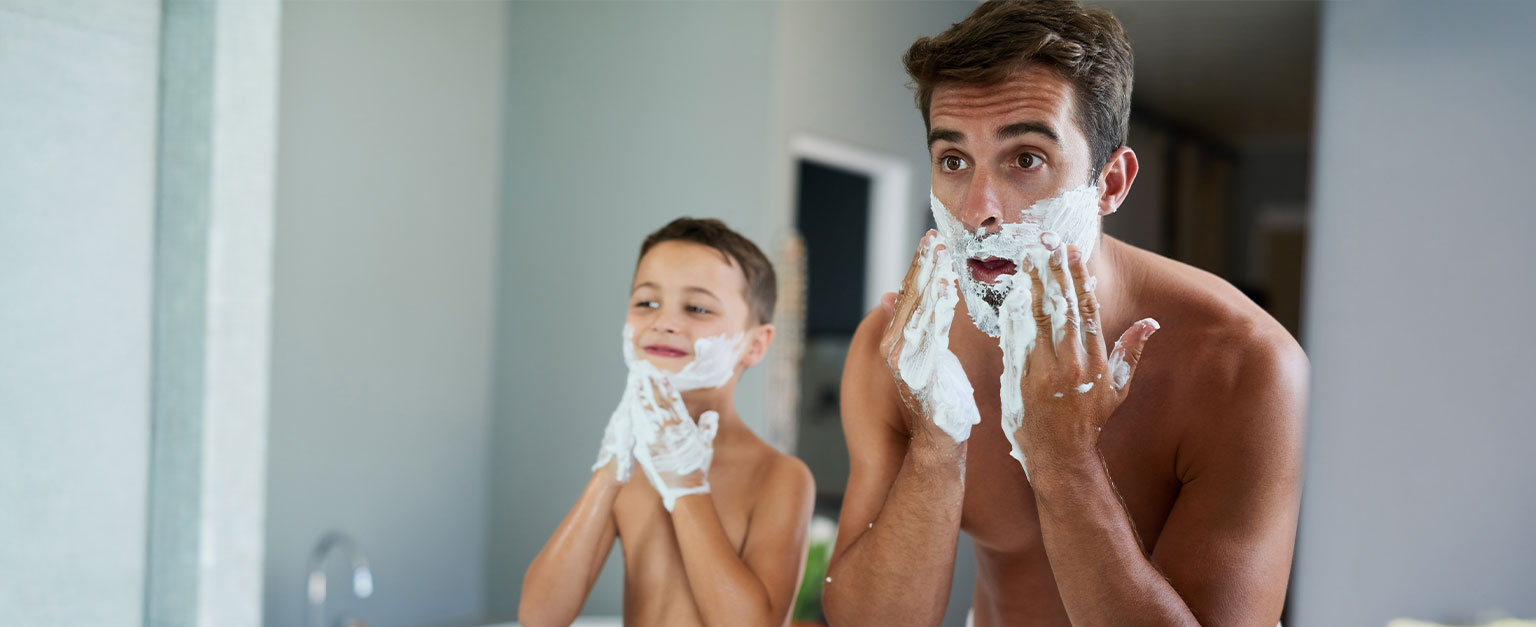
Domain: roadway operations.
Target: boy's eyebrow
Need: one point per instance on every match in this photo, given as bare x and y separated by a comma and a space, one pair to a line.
690, 288
701, 290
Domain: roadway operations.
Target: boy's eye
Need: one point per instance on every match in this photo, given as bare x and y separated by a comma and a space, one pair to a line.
698, 310
951, 163
646, 304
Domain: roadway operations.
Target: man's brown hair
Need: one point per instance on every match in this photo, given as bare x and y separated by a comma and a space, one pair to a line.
762, 284
1083, 45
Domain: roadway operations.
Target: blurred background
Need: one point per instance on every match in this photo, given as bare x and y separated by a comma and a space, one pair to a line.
271, 270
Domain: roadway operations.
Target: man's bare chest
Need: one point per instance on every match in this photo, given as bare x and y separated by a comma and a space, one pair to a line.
1138, 445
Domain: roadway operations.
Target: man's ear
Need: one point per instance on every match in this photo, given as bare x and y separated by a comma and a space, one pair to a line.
758, 341
1115, 181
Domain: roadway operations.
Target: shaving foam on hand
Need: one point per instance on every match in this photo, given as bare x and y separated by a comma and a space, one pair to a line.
931, 371
619, 436
674, 452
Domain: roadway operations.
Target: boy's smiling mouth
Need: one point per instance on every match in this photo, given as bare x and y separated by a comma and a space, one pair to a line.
662, 350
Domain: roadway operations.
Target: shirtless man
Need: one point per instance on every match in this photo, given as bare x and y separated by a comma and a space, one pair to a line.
1100, 486
716, 529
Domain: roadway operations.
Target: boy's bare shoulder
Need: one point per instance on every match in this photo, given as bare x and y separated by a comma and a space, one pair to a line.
774, 476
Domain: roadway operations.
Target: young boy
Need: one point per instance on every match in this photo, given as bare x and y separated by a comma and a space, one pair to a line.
712, 519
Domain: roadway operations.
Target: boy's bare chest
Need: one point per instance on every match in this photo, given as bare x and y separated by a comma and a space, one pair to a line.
647, 531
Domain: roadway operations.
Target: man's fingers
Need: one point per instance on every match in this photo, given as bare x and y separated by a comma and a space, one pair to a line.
910, 295
1062, 300
1127, 353
1087, 304
1037, 294
888, 302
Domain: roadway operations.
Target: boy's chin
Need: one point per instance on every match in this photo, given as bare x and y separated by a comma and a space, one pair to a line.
669, 365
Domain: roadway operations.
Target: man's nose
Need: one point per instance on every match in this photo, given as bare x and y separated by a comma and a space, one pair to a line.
982, 206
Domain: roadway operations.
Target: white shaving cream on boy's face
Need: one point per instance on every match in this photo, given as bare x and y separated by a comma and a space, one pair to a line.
1072, 215
714, 361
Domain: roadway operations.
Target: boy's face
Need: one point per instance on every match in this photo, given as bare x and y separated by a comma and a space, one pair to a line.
683, 292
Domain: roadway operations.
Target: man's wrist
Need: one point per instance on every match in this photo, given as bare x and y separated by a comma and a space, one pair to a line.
1064, 469
937, 452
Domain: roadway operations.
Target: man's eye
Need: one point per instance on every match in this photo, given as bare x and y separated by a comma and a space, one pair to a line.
951, 163
646, 304
1028, 161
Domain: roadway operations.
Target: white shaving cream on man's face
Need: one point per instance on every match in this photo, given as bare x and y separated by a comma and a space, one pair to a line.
714, 361
1072, 215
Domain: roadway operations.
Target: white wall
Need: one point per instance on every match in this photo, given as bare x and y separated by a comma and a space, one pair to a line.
77, 207
621, 116
388, 180
1419, 498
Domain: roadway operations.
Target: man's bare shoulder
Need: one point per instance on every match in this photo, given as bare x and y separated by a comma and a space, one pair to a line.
1208, 323
1218, 354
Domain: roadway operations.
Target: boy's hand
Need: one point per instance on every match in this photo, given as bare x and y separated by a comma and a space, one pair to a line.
618, 446
674, 452
1053, 332
927, 374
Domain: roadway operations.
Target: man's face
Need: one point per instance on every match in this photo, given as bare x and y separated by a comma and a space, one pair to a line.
684, 292
997, 152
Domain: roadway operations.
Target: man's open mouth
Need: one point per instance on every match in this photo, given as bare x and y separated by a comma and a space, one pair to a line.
987, 270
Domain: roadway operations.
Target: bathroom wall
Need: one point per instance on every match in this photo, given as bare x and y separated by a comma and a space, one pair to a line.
1419, 498
388, 184
77, 210
620, 117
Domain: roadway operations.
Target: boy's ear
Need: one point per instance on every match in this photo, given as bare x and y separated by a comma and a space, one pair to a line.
758, 340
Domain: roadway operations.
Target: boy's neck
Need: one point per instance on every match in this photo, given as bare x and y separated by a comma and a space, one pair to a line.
721, 400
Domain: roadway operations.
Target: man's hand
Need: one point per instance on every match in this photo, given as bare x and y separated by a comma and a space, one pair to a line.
674, 452
1059, 383
928, 376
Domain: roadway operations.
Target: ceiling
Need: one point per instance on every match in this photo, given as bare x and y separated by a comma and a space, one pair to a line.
1239, 71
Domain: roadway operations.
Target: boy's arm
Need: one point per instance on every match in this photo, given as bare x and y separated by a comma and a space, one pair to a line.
758, 586
559, 579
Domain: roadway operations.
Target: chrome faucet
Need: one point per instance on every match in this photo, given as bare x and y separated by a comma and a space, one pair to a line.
362, 577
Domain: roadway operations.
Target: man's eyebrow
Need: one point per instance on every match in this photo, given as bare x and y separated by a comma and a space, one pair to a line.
1024, 128
944, 135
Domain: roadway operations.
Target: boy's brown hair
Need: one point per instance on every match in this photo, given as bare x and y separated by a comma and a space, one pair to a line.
762, 284
1083, 45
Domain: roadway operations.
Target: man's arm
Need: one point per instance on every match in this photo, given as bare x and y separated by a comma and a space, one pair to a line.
1224, 555
900, 521
560, 577
758, 586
